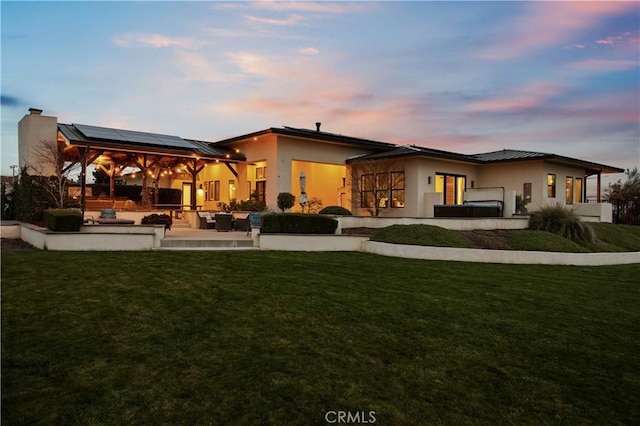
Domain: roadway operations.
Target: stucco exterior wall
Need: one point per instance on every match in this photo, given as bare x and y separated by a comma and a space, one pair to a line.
32, 130
513, 176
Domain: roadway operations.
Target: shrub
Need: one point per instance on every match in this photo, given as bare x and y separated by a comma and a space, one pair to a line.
562, 221
157, 219
296, 223
63, 220
335, 210
285, 201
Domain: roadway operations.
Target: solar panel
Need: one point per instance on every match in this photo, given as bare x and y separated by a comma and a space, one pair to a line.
134, 137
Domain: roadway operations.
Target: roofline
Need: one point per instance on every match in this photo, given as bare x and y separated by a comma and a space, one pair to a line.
311, 134
596, 167
421, 152
144, 148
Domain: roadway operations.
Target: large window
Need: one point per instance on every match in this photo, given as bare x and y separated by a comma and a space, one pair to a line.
397, 189
216, 190
232, 189
452, 187
384, 189
551, 185
569, 190
261, 190
579, 190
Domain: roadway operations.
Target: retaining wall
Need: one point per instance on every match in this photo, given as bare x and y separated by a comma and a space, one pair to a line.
500, 256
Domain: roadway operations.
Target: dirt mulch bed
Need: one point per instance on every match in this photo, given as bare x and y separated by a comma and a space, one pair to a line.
11, 245
495, 240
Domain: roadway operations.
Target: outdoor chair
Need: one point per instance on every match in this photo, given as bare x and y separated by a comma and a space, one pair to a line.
206, 221
241, 221
223, 222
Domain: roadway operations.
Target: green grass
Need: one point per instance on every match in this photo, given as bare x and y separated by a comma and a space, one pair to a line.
608, 238
281, 338
426, 235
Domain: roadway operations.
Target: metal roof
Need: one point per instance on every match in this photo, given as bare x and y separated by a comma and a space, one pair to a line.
314, 134
133, 140
413, 150
511, 155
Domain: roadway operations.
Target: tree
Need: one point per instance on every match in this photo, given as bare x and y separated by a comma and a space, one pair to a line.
53, 172
625, 198
377, 184
286, 200
629, 190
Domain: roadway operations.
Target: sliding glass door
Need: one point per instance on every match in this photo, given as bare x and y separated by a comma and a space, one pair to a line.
452, 187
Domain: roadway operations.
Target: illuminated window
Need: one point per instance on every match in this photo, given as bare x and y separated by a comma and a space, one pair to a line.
382, 189
551, 186
397, 189
579, 190
232, 189
452, 187
569, 191
366, 191
216, 190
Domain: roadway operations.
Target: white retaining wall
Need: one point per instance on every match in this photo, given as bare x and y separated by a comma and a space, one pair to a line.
500, 256
95, 238
10, 229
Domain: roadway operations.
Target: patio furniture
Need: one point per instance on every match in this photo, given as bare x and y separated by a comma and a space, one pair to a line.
254, 220
241, 221
206, 221
224, 222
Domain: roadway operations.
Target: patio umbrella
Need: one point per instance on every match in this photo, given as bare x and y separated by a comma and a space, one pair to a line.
303, 194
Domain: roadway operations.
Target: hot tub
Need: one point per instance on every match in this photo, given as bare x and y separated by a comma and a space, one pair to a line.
469, 209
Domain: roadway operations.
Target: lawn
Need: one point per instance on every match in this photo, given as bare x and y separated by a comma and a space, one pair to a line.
282, 338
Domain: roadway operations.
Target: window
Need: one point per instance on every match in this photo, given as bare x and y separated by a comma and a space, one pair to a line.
216, 190
232, 189
387, 189
261, 190
397, 189
579, 190
261, 172
452, 187
569, 191
551, 186
382, 189
366, 191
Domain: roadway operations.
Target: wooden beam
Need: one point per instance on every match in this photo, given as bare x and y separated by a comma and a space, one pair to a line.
234, 171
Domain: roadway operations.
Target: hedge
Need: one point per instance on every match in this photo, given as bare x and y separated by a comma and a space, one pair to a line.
133, 192
297, 223
336, 211
63, 220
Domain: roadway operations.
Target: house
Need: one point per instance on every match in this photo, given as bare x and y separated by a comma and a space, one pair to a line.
398, 181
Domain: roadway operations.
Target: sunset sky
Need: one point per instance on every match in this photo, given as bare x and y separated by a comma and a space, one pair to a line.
469, 77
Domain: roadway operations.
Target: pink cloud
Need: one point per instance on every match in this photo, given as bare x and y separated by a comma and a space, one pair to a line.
524, 98
550, 23
157, 41
291, 21
303, 6
308, 51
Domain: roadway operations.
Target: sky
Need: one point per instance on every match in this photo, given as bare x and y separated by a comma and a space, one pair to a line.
468, 77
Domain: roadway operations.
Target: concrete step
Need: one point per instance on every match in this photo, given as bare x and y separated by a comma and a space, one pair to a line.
211, 244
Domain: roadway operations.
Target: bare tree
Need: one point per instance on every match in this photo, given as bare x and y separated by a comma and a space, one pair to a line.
377, 184
53, 171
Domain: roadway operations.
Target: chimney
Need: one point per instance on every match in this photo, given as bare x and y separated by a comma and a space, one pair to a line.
318, 124
35, 111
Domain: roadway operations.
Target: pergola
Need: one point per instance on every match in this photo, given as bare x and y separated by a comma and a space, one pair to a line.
113, 150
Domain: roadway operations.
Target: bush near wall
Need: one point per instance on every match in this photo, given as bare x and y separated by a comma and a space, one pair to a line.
336, 211
63, 220
295, 223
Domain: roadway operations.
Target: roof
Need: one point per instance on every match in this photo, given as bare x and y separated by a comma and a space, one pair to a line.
413, 150
502, 156
511, 155
313, 134
119, 139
